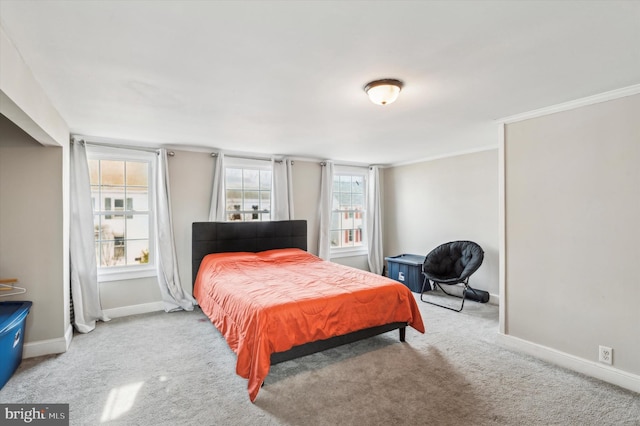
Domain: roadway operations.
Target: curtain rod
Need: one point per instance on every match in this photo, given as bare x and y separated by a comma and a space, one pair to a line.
324, 163
108, 145
247, 157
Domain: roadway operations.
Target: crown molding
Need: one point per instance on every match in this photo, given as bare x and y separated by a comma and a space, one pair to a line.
589, 100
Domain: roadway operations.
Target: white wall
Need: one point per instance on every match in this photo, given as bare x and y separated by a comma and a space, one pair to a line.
306, 195
191, 176
119, 297
25, 105
572, 207
32, 246
455, 198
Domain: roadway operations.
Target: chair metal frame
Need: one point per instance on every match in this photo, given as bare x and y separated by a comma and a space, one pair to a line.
438, 284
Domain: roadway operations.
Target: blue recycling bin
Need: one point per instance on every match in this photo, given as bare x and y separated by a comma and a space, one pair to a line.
407, 268
13, 316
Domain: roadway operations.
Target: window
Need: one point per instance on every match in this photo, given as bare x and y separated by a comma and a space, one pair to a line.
122, 195
248, 189
347, 218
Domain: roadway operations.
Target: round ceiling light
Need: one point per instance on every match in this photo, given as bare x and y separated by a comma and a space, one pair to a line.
383, 92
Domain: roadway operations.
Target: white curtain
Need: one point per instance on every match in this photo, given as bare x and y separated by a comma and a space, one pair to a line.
326, 205
173, 296
282, 205
374, 222
217, 209
82, 252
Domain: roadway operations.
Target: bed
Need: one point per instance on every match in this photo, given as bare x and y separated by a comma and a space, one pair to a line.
273, 301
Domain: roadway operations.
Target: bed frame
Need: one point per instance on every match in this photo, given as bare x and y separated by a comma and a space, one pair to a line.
223, 237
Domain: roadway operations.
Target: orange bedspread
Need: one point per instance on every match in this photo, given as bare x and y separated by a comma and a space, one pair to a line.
271, 301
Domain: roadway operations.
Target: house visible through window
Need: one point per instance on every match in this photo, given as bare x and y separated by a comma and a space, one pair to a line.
248, 190
347, 218
122, 208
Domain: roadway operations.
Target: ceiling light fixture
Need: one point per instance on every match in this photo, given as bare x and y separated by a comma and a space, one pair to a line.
383, 92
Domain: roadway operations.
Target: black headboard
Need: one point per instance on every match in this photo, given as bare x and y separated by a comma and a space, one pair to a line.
221, 237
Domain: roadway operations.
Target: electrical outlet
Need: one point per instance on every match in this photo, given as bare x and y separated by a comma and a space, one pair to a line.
605, 355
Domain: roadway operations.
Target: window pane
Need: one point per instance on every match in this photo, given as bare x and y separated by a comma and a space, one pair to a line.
347, 220
335, 203
335, 238
265, 179
138, 199
357, 201
114, 225
107, 253
95, 197
357, 239
357, 184
251, 200
345, 183
335, 220
344, 200
336, 184
233, 199
111, 248
97, 246
348, 238
119, 250
94, 172
112, 172
137, 173
96, 227
265, 200
233, 178
251, 179
109, 194
137, 252
137, 226
104, 232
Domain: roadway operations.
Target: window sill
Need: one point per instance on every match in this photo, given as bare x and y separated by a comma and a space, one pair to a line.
121, 274
349, 252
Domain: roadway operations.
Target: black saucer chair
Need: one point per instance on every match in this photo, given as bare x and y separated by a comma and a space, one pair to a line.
453, 263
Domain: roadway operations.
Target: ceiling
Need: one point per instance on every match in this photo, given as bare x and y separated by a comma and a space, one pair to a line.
285, 77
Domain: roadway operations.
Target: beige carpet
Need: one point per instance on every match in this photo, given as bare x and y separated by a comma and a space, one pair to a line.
175, 369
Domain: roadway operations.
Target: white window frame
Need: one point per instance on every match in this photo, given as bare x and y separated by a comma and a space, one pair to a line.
252, 164
337, 252
128, 272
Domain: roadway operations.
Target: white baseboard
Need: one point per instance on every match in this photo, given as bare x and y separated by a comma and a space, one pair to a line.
49, 346
125, 311
494, 299
61, 344
590, 368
